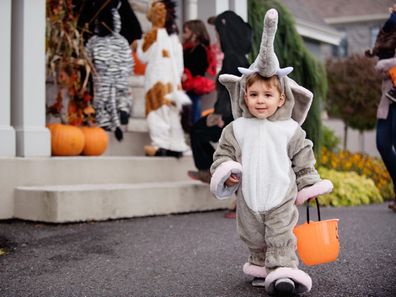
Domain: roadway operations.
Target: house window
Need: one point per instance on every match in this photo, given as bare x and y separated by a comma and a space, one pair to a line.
341, 50
373, 35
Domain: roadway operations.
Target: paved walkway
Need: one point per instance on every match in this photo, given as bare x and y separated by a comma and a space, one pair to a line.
193, 255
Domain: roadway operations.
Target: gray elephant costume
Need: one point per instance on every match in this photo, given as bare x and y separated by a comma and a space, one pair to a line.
275, 163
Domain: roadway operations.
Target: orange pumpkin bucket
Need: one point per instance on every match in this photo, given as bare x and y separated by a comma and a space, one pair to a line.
317, 242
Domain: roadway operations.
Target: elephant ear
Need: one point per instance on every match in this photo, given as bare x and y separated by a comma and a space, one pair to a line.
233, 85
302, 101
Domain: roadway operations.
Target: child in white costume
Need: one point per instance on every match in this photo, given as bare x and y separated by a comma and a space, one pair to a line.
164, 96
264, 156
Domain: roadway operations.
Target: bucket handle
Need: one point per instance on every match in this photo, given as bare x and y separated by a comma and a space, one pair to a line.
318, 209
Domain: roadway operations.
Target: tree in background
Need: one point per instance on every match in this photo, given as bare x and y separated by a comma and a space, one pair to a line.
291, 51
354, 92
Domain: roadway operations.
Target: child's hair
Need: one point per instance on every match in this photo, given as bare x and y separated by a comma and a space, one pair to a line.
199, 29
272, 81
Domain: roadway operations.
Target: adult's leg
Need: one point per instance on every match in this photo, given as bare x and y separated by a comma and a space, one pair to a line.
201, 138
386, 141
196, 108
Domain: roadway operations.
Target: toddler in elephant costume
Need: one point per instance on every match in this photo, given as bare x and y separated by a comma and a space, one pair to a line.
264, 157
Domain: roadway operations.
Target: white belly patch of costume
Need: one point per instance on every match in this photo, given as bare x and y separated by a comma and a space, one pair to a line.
265, 162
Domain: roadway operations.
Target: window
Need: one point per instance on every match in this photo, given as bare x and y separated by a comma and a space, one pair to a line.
373, 35
341, 50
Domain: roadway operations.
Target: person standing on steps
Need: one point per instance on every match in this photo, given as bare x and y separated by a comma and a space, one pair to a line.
235, 37
198, 60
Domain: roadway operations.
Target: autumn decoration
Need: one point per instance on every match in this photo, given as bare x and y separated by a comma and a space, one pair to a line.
96, 141
66, 140
69, 68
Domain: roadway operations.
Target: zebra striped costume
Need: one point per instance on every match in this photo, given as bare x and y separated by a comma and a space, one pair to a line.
113, 62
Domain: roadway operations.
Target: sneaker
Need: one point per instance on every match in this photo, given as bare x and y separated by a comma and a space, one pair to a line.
284, 286
391, 95
201, 175
230, 214
392, 206
193, 174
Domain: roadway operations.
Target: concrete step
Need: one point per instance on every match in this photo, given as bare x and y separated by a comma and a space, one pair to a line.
131, 145
81, 170
84, 202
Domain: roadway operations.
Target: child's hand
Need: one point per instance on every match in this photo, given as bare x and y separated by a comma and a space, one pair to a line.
232, 180
214, 120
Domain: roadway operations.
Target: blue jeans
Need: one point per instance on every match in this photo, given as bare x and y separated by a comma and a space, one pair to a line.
196, 108
386, 141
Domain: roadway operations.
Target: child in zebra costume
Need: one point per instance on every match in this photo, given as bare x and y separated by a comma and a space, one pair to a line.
111, 54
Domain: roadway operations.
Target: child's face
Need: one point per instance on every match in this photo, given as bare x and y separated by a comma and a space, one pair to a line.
263, 99
187, 34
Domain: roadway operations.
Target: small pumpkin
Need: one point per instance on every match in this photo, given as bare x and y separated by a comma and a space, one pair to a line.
66, 140
96, 141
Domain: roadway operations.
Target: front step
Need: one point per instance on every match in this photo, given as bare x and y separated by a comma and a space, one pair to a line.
72, 203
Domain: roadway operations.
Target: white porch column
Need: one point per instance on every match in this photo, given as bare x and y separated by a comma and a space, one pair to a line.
240, 8
191, 10
28, 78
208, 8
7, 133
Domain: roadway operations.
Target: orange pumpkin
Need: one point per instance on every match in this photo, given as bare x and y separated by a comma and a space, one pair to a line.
66, 140
96, 141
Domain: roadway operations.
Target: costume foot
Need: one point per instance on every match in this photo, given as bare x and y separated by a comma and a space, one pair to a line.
283, 276
284, 287
171, 153
254, 270
258, 282
118, 134
152, 151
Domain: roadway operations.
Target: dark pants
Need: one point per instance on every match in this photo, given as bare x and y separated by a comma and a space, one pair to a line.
386, 141
201, 136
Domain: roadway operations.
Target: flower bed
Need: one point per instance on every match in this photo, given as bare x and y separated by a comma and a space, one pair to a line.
362, 164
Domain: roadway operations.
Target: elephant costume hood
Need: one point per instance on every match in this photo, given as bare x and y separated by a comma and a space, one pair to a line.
298, 99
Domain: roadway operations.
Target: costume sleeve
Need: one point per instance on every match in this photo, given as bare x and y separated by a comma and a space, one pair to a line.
177, 49
225, 162
385, 64
303, 160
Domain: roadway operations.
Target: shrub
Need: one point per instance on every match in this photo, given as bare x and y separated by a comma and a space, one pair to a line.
354, 90
330, 141
362, 164
349, 189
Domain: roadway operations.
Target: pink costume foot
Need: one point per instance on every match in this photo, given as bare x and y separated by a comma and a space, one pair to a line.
254, 270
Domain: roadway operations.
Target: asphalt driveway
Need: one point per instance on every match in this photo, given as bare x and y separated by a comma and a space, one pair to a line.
196, 254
